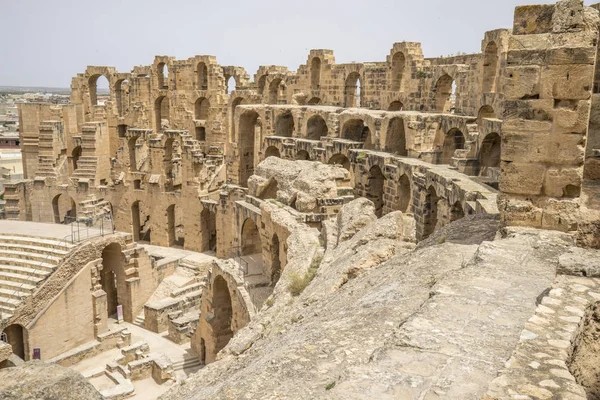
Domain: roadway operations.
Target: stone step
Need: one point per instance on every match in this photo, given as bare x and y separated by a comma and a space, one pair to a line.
35, 241
22, 275
5, 314
21, 262
33, 249
8, 303
189, 362
16, 286
13, 294
30, 256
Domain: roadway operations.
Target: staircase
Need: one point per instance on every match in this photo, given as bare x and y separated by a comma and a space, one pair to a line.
86, 168
187, 363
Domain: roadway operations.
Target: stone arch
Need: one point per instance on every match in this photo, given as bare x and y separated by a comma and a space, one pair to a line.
456, 211
430, 213
490, 67
262, 81
353, 130
275, 260
136, 221
454, 140
353, 94
490, 153
339, 159
272, 151
201, 108
208, 229
93, 87
302, 155
202, 76
162, 71
275, 91
269, 191
250, 238
175, 226
248, 122
223, 314
314, 101
315, 73
395, 138
375, 189
398, 64
15, 336
75, 155
485, 112
112, 275
316, 127
122, 96
443, 94
404, 194
284, 126
64, 209
162, 112
230, 84
131, 145
396, 106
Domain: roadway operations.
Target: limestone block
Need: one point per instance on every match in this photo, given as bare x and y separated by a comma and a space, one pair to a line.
571, 117
522, 178
527, 57
567, 82
533, 19
519, 212
522, 82
568, 16
543, 148
538, 110
571, 55
560, 215
592, 169
557, 181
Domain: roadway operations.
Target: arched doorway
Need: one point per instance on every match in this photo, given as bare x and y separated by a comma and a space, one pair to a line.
250, 238
490, 154
485, 112
175, 228
231, 84
96, 83
284, 126
162, 113
316, 127
302, 155
340, 159
135, 221
430, 212
246, 145
404, 194
395, 138
275, 261
202, 76
398, 63
14, 335
396, 106
315, 73
353, 130
275, 91
64, 209
352, 94
163, 75
223, 313
131, 145
490, 66
444, 89
272, 151
375, 189
208, 229
454, 140
201, 108
122, 96
111, 274
75, 154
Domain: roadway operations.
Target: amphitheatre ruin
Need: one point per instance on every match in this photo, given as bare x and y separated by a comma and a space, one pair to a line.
411, 228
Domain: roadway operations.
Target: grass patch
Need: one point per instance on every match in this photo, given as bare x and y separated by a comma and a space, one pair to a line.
330, 386
299, 282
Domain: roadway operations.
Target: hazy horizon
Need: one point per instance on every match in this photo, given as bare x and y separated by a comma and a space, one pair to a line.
53, 41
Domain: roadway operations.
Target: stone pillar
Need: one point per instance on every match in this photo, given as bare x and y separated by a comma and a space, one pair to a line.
547, 86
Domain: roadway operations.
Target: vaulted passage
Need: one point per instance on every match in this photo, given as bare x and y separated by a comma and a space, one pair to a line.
490, 67
398, 63
175, 226
316, 127
246, 146
272, 151
13, 335
352, 93
396, 106
395, 140
284, 126
201, 108
443, 94
430, 213
161, 112
489, 155
223, 312
112, 273
208, 230
374, 189
302, 155
404, 194
250, 238
75, 154
64, 209
340, 159
276, 92
354, 130
454, 140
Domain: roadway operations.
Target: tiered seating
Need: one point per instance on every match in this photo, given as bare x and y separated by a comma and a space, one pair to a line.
26, 262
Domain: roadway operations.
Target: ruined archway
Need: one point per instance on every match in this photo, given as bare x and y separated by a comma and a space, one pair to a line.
111, 274
250, 238
340, 159
404, 194
456, 212
136, 223
131, 145
398, 63
163, 75
208, 230
122, 96
302, 155
222, 314
230, 84
64, 209
489, 154
175, 226
430, 212
15, 337
490, 67
75, 155
316, 127
395, 138
353, 130
162, 113
315, 73
275, 260
485, 112
95, 83
396, 106
284, 126
202, 76
201, 108
272, 151
262, 81
375, 189
454, 140
352, 91
246, 146
275, 91
443, 94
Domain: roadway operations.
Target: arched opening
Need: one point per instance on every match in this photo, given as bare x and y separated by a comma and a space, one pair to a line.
443, 94
223, 312
302, 155
75, 154
395, 138
456, 212
64, 209
272, 151
454, 140
490, 66
163, 76
375, 189
131, 145
398, 63
275, 89
489, 154
250, 238
485, 112
270, 191
262, 81
122, 96
340, 159
246, 145
316, 127
162, 113
284, 126
234, 104
231, 84
315, 73
352, 93
201, 108
396, 106
202, 76
430, 212
202, 354
14, 335
367, 139
404, 194
111, 275
353, 130
175, 231
275, 261
136, 225
97, 84
314, 101
208, 229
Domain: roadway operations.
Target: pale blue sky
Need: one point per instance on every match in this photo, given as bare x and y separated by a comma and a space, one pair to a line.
46, 42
